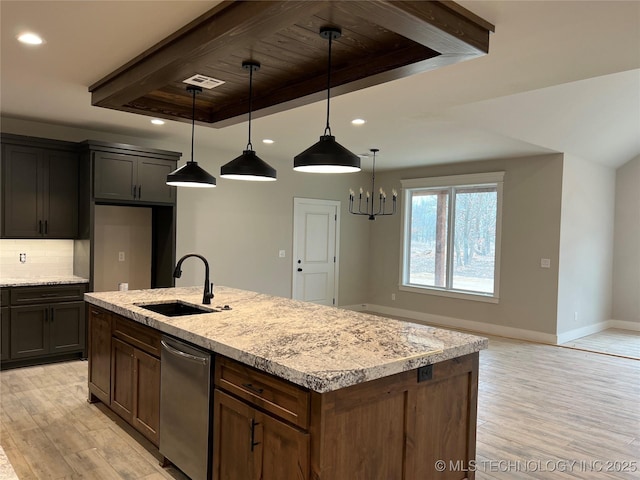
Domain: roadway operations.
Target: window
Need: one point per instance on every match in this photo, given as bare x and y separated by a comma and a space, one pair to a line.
451, 235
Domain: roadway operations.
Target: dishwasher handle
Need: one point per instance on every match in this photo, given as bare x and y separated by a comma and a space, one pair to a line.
179, 353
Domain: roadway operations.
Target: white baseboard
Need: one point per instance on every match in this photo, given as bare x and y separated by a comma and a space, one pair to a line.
451, 322
597, 327
582, 332
624, 325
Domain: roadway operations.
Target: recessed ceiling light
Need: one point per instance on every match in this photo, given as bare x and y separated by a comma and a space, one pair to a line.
30, 38
358, 121
157, 121
268, 141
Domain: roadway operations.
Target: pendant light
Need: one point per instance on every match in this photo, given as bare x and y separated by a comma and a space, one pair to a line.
190, 174
249, 166
327, 156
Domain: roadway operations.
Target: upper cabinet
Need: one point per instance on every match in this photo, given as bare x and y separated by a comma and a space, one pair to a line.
124, 173
39, 188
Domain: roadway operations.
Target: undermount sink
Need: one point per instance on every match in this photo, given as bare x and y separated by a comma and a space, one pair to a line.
177, 309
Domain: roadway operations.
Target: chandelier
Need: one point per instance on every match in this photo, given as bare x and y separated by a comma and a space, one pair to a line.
382, 197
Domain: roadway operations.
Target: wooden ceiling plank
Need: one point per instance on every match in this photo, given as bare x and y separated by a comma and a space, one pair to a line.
239, 25
431, 23
315, 88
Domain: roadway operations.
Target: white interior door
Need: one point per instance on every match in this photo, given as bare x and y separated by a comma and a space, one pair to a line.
315, 250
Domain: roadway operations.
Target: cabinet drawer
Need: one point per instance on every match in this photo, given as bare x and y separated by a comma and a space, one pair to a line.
284, 399
140, 336
4, 297
48, 294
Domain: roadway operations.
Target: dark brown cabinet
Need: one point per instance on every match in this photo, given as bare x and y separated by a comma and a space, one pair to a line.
47, 329
260, 425
43, 323
132, 178
252, 445
4, 324
100, 355
40, 189
124, 370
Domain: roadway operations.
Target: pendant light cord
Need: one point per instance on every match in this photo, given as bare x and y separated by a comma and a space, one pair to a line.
251, 67
328, 128
373, 181
193, 121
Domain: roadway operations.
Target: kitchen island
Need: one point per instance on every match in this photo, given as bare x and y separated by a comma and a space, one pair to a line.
302, 390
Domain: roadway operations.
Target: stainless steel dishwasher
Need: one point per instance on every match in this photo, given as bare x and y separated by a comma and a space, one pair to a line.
185, 422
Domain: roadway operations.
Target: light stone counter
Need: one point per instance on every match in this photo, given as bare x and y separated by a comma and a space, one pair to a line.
321, 348
6, 282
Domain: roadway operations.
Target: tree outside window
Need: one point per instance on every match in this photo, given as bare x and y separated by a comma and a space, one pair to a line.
451, 233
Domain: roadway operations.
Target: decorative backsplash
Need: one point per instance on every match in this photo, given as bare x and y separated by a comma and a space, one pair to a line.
41, 258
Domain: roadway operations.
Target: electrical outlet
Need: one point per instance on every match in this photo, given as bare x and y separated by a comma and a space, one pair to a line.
23, 258
545, 263
281, 253
121, 256
393, 296
575, 317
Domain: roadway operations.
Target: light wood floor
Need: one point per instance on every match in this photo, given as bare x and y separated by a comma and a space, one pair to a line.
538, 406
613, 341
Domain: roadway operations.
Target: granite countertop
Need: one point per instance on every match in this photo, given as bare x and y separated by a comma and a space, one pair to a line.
6, 282
318, 347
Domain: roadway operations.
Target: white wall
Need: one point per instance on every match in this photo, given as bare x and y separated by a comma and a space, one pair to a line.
626, 260
586, 246
530, 231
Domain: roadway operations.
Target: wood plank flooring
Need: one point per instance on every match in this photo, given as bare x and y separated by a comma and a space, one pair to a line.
540, 407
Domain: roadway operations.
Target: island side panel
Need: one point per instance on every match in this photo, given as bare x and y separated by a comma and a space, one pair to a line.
397, 427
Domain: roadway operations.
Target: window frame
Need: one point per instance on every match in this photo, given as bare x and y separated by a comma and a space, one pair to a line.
470, 180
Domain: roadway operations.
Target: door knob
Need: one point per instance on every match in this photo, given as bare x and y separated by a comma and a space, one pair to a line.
299, 269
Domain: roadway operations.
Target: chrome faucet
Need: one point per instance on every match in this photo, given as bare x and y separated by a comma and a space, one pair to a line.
208, 288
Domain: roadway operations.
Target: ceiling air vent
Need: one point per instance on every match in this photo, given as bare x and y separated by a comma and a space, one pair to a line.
203, 81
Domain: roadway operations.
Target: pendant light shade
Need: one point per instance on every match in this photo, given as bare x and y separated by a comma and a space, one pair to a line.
249, 166
327, 156
190, 174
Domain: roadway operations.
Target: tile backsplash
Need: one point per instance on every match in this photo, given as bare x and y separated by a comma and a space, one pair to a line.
43, 258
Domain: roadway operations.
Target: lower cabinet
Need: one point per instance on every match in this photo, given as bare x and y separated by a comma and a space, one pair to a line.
4, 324
4, 333
124, 370
249, 444
43, 324
391, 428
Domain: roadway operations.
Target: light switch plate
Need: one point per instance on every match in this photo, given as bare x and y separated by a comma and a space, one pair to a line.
121, 256
545, 263
281, 253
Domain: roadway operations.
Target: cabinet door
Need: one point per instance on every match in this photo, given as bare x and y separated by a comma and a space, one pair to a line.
61, 195
29, 331
22, 179
249, 444
232, 443
114, 176
100, 354
284, 449
122, 379
4, 333
67, 327
152, 180
146, 395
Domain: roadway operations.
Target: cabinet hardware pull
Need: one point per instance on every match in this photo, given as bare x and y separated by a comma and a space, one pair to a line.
253, 433
139, 192
46, 227
48, 295
134, 191
40, 227
253, 388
